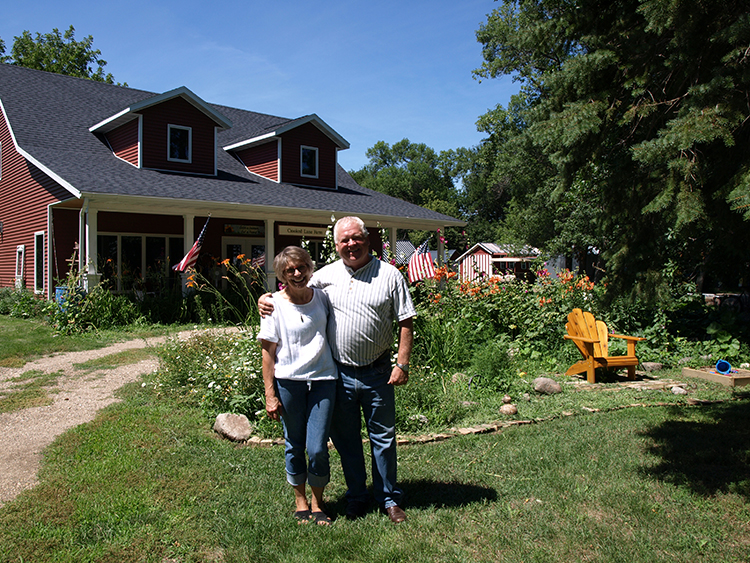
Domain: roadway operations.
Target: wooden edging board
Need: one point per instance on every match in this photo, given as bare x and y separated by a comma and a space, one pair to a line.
737, 378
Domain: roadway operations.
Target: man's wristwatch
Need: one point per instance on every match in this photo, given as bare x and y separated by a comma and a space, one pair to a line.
404, 368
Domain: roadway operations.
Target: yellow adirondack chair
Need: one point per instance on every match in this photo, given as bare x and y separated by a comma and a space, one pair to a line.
592, 339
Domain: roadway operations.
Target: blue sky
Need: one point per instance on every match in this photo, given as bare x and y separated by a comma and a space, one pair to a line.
377, 70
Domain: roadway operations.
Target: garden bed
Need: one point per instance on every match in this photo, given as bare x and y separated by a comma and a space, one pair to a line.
735, 378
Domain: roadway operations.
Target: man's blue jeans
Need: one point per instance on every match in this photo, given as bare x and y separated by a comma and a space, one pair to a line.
367, 388
307, 421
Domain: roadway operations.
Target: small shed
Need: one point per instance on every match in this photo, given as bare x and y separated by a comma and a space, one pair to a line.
486, 259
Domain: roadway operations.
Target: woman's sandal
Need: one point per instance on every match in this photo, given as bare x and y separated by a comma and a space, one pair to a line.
303, 516
321, 519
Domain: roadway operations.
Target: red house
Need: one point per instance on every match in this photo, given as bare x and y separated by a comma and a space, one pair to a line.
129, 178
486, 259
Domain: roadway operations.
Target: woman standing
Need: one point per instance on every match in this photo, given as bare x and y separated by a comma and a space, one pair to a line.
300, 378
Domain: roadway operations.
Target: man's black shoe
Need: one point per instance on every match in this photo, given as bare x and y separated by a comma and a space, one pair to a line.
356, 509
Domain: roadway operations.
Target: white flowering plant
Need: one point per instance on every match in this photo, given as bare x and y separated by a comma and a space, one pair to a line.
217, 372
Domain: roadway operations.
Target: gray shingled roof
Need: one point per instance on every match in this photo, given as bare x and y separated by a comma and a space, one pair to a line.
50, 115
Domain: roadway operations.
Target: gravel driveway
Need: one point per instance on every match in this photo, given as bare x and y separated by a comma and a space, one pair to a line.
77, 398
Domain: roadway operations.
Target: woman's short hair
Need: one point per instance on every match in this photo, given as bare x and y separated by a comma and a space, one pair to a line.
291, 254
347, 221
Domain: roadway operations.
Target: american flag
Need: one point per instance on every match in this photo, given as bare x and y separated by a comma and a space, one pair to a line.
258, 261
420, 264
192, 256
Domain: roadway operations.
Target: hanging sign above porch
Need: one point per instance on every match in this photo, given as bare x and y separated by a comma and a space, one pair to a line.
304, 231
245, 230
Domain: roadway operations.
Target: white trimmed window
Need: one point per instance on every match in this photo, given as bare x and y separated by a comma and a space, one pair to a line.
20, 255
180, 141
39, 262
308, 162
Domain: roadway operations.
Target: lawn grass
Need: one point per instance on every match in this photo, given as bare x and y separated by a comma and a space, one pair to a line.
112, 361
27, 390
147, 480
23, 340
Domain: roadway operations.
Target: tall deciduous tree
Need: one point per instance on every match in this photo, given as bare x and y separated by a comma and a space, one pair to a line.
60, 53
414, 172
640, 108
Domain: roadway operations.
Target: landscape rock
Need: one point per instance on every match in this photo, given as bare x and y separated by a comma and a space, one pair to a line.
547, 386
508, 409
420, 419
459, 377
677, 390
651, 366
507, 400
235, 427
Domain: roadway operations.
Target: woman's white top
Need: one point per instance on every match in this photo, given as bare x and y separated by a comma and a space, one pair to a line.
299, 331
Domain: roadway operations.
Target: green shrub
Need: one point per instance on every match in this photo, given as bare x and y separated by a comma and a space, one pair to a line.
80, 312
215, 371
21, 303
493, 366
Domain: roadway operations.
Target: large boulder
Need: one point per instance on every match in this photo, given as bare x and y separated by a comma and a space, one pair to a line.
235, 427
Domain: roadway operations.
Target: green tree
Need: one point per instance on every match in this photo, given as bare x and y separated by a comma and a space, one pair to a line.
60, 53
640, 109
415, 173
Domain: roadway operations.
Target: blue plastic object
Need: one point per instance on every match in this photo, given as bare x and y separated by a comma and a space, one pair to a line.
723, 367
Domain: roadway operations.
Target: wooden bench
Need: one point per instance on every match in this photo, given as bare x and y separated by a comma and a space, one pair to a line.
592, 339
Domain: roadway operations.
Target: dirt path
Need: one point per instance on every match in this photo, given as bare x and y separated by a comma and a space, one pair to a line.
77, 398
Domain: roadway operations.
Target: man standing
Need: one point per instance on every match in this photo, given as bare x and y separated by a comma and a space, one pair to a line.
367, 295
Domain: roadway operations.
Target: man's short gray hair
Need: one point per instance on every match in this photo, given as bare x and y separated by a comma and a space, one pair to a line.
347, 221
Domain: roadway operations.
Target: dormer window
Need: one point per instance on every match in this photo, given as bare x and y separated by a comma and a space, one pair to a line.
180, 143
308, 162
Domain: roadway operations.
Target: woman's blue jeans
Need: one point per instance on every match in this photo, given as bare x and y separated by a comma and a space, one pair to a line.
307, 409
367, 388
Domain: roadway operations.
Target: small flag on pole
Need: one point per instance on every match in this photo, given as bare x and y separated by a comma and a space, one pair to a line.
192, 256
258, 261
420, 264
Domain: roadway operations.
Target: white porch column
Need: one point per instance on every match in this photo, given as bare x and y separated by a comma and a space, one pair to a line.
93, 276
270, 254
392, 239
188, 238
82, 235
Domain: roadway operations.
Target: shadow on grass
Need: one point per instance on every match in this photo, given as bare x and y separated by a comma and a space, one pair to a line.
707, 452
422, 493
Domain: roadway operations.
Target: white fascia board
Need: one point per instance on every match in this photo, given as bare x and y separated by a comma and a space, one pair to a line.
64, 183
471, 251
320, 124
250, 142
188, 95
339, 141
34, 161
109, 121
121, 117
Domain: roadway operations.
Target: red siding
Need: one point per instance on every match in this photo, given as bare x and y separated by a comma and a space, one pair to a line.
65, 230
475, 264
178, 111
310, 136
124, 142
25, 193
262, 160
